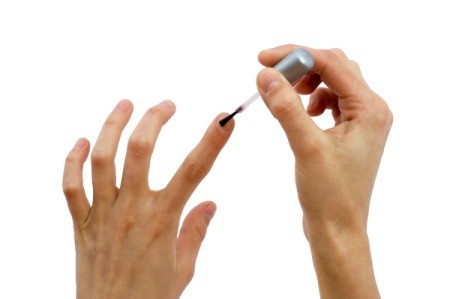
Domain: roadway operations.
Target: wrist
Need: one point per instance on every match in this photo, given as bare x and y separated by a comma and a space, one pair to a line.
342, 261
337, 243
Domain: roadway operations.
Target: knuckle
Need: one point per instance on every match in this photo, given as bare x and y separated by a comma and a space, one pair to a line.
194, 171
387, 115
71, 158
390, 117
155, 111
100, 158
127, 221
338, 53
111, 121
70, 189
139, 144
355, 65
382, 115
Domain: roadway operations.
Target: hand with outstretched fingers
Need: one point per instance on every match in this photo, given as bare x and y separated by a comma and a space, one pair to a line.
127, 243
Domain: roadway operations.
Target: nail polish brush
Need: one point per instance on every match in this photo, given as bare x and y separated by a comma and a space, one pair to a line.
293, 67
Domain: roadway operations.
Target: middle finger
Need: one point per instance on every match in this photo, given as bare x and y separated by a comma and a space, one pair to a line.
104, 152
141, 145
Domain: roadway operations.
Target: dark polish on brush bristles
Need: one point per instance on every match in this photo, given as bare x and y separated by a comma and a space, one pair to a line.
224, 121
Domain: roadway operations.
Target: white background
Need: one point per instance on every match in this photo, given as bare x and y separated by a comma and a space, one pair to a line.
65, 64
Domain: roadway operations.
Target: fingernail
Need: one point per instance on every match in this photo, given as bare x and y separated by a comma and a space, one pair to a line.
222, 121
268, 79
168, 104
268, 50
81, 143
124, 105
312, 103
265, 51
211, 210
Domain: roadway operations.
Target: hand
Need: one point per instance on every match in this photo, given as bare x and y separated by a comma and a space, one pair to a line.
126, 242
336, 168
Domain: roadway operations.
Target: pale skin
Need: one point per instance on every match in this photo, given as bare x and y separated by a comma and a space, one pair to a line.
335, 169
127, 242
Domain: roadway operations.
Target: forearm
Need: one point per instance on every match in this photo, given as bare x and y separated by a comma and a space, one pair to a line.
343, 263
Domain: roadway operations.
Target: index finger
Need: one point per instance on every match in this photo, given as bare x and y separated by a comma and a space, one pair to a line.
333, 66
197, 165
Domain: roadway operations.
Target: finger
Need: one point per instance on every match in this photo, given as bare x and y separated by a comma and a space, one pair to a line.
286, 106
191, 236
324, 98
197, 165
141, 145
308, 83
339, 73
73, 182
104, 152
270, 57
321, 99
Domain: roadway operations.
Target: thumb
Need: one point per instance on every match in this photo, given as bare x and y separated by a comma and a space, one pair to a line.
285, 105
190, 238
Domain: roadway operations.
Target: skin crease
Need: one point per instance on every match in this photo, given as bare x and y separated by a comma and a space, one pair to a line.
127, 242
335, 169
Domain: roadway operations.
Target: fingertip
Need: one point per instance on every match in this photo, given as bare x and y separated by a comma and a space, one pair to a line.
81, 143
267, 79
313, 111
168, 104
210, 209
125, 105
228, 126
271, 56
170, 107
264, 57
316, 106
276, 92
81, 148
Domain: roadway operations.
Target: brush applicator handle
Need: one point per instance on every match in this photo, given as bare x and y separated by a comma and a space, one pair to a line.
293, 67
